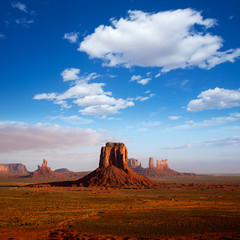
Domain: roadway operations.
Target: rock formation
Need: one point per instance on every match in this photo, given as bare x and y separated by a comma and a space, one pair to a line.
151, 162
164, 163
44, 172
114, 154
62, 170
17, 169
133, 163
161, 170
113, 172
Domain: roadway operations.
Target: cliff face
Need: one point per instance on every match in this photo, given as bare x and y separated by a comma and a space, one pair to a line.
132, 163
114, 154
151, 162
13, 169
113, 171
161, 170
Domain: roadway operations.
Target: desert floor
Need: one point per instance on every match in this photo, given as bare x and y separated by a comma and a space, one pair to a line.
182, 208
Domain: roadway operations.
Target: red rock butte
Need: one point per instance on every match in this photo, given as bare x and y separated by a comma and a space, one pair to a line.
43, 172
113, 172
161, 170
114, 154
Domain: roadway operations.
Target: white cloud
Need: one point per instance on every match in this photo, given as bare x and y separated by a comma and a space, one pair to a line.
24, 22
91, 97
102, 105
105, 109
20, 136
144, 81
217, 98
230, 141
215, 121
72, 37
157, 75
83, 89
70, 74
220, 57
135, 78
73, 119
168, 40
174, 117
98, 100
141, 98
233, 141
140, 80
20, 6
48, 96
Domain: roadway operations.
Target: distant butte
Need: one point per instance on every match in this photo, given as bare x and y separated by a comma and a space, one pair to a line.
13, 169
43, 172
161, 170
113, 172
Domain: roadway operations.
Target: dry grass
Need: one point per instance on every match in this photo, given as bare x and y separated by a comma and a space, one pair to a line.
173, 212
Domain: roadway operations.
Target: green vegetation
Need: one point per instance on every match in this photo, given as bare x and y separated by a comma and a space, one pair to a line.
153, 213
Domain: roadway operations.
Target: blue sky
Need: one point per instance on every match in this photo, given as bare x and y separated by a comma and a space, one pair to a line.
160, 76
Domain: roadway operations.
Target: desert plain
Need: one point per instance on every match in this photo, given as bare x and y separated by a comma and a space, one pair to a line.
196, 207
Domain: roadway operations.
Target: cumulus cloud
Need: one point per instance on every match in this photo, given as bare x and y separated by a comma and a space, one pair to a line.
168, 39
70, 74
174, 117
217, 98
90, 97
20, 136
20, 6
102, 105
105, 109
140, 80
72, 37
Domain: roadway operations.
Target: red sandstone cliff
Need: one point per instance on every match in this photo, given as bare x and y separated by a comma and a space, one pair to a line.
113, 171
161, 170
16, 169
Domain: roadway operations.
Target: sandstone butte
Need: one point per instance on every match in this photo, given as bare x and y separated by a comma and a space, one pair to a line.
113, 172
161, 170
43, 172
17, 169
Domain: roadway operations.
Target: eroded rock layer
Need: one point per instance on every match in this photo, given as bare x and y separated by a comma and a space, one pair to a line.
44, 172
161, 170
113, 172
13, 169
